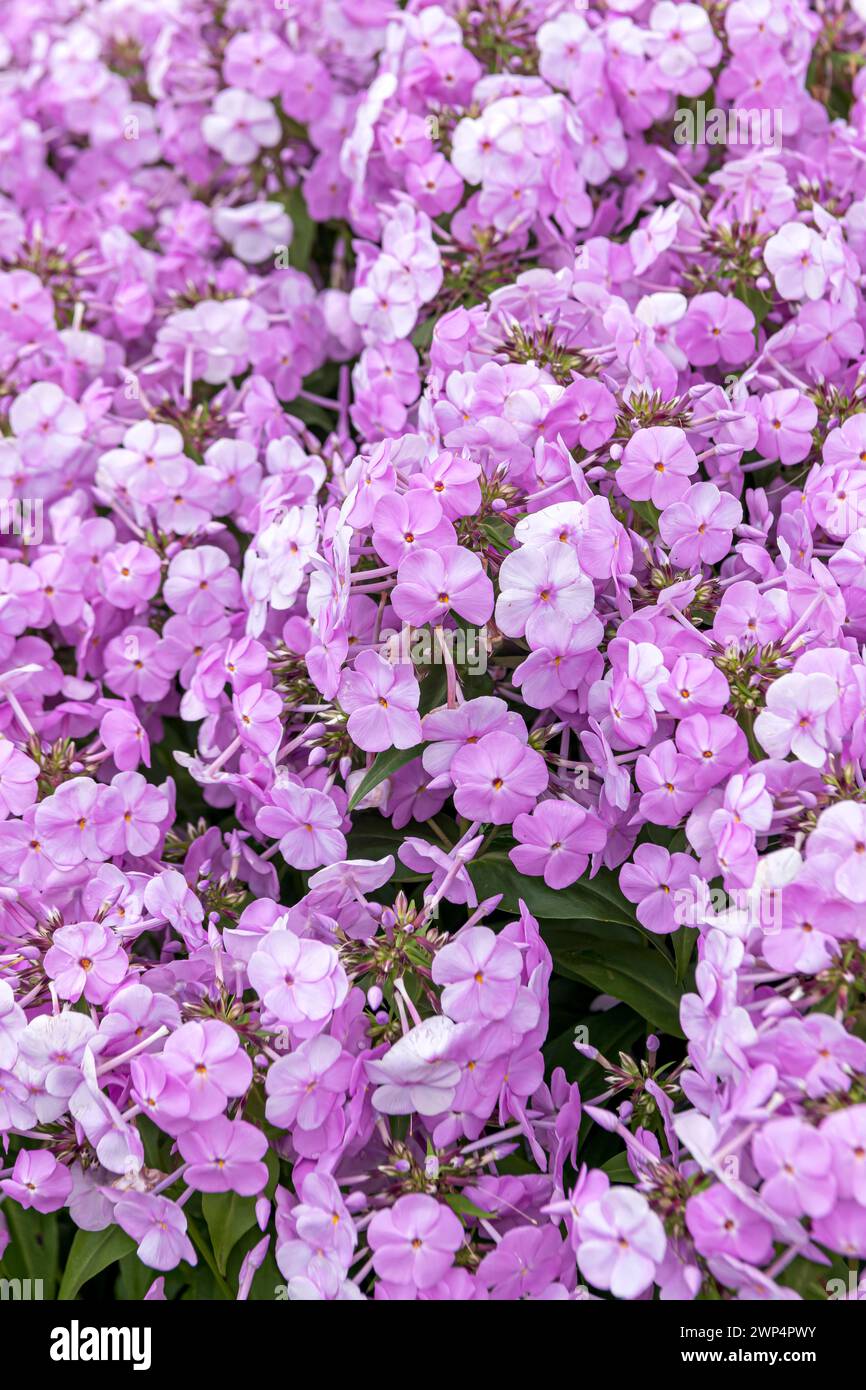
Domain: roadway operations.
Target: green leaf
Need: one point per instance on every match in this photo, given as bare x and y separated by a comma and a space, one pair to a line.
422, 335
384, 764
590, 900
33, 1249
499, 532
683, 942
648, 512
228, 1217
303, 228
611, 1032
754, 299
463, 1207
91, 1253
636, 974
133, 1279
617, 1169
207, 1255
818, 1283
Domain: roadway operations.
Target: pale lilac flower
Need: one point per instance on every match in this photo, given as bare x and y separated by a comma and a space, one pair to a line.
417, 1072
655, 466
541, 592
86, 959
481, 973
300, 980
254, 230
621, 1241
497, 778
794, 259
158, 1227
38, 1181
240, 125
381, 700
795, 717
307, 824
433, 583
414, 1241
224, 1156
18, 774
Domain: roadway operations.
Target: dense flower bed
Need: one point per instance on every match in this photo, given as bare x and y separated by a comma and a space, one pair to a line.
432, 700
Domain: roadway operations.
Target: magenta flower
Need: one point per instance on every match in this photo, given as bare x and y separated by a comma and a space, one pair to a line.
306, 1088
381, 700
452, 478
158, 1227
139, 662
497, 778
86, 959
695, 686
717, 328
714, 744
721, 1224
584, 414
160, 1093
524, 1264
18, 775
448, 730
656, 464
413, 521
414, 1241
660, 885
131, 815
794, 1160
556, 842
699, 528
481, 973
786, 420
38, 1181
130, 574
433, 583
299, 980
224, 1156
666, 778
210, 1062
201, 583
66, 823
124, 737
542, 592
307, 824
621, 1242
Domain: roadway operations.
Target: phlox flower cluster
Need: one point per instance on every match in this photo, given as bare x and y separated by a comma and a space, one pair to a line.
432, 622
